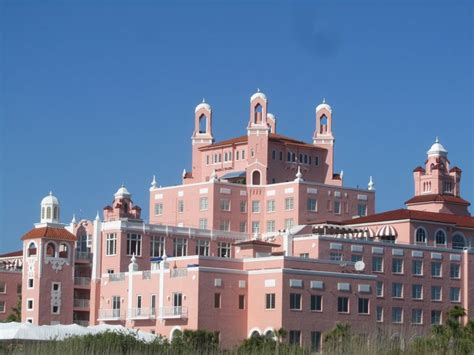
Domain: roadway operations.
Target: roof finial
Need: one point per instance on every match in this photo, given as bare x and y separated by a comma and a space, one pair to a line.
203, 100
371, 185
184, 173
324, 100
299, 175
213, 176
50, 193
153, 182
73, 218
258, 89
97, 218
437, 139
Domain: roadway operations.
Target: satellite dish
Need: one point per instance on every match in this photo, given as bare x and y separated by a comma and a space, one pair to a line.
359, 265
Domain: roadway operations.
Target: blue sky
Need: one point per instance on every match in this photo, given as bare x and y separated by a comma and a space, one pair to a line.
98, 93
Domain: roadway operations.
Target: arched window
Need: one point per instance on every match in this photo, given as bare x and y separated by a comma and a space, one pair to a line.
323, 124
176, 333
125, 207
42, 212
63, 250
258, 114
31, 249
440, 237
420, 236
56, 213
203, 124
48, 212
50, 250
255, 334
458, 242
269, 334
256, 177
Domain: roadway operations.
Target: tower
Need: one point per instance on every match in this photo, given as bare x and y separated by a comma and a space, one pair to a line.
324, 138
258, 130
122, 207
48, 256
202, 136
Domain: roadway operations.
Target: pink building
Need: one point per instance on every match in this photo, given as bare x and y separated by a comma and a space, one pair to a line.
261, 234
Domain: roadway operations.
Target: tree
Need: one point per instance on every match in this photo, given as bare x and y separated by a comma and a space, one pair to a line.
15, 316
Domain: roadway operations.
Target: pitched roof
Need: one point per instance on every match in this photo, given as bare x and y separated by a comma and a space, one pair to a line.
438, 198
273, 137
459, 221
256, 242
12, 253
50, 233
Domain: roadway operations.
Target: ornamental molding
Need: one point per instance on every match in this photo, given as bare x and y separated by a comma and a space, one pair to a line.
56, 263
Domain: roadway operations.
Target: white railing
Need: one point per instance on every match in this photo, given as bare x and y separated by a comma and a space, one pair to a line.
83, 255
117, 277
179, 272
84, 323
173, 312
111, 314
81, 303
142, 313
82, 281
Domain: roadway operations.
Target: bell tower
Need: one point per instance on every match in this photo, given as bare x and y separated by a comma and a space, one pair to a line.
324, 138
201, 137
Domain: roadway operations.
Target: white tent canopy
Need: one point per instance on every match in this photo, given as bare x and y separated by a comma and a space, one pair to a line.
27, 331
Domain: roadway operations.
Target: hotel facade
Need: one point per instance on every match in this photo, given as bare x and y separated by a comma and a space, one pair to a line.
261, 234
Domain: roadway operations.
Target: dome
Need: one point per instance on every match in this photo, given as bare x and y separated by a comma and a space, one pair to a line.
203, 105
50, 200
323, 105
271, 116
122, 192
437, 149
258, 94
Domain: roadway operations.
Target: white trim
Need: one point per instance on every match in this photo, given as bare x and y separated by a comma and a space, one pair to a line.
176, 327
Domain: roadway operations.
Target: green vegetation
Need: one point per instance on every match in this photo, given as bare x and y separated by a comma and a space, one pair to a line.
452, 338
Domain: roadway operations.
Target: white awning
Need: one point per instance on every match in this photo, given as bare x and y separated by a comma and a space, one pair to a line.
386, 231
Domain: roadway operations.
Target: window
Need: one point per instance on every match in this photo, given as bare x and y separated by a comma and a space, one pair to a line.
417, 292
256, 177
289, 202
256, 206
440, 238
343, 304
435, 317
337, 207
288, 156
420, 236
270, 301
363, 306
458, 242
295, 337
436, 269
356, 257
243, 206
455, 294
180, 246
111, 244
255, 227
304, 255
335, 256
377, 264
63, 251
270, 226
379, 288
379, 314
224, 225
315, 341
281, 155
397, 315
312, 205
30, 282
153, 304
31, 249
115, 306
316, 303
180, 206
288, 223
29, 304
3, 287
225, 204
241, 301
2, 306
243, 227
207, 159
295, 301
417, 267
362, 209
271, 206
134, 244
243, 154
397, 266
217, 300
455, 271
203, 204
397, 290
273, 154
436, 293
50, 250
158, 209
157, 246
416, 316
202, 223
223, 249
18, 289
202, 247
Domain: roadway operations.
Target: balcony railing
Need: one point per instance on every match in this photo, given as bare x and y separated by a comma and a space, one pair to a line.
84, 323
111, 314
179, 272
82, 281
142, 313
173, 313
83, 255
81, 303
117, 277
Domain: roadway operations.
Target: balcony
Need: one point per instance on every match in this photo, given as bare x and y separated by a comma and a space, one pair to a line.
117, 277
179, 272
142, 313
81, 303
83, 323
83, 256
82, 281
111, 314
173, 313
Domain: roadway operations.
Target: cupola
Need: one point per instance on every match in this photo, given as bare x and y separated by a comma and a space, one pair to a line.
50, 209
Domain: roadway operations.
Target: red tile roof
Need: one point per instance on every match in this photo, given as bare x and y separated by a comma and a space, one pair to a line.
12, 253
459, 221
256, 242
438, 198
50, 233
455, 169
419, 168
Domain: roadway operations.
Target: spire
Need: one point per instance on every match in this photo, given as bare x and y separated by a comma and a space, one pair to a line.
371, 185
73, 221
97, 218
153, 183
133, 266
299, 175
184, 173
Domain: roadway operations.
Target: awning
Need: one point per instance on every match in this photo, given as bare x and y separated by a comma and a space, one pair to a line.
234, 174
